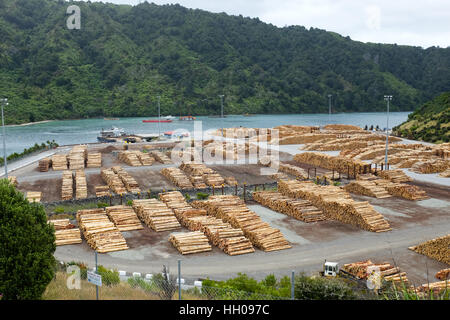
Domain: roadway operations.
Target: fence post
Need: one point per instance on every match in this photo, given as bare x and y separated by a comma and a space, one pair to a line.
179, 279
96, 271
213, 190
121, 200
235, 189
292, 284
308, 173
110, 200
315, 172
256, 187
244, 190
223, 186
264, 186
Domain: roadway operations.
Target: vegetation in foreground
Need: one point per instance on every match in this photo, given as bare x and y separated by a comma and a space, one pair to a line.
37, 147
125, 56
430, 123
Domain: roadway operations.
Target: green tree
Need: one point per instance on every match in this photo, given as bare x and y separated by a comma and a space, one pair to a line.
316, 288
27, 244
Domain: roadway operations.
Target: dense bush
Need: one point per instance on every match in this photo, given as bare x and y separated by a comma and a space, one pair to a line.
27, 244
109, 278
318, 288
202, 196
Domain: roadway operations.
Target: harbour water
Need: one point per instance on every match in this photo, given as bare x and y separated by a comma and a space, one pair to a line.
87, 130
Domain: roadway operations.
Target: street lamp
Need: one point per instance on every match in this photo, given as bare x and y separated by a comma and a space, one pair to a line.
387, 99
221, 114
329, 108
4, 102
159, 117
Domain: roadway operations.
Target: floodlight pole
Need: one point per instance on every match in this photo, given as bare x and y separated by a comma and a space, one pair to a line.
387, 98
4, 102
221, 114
159, 117
329, 107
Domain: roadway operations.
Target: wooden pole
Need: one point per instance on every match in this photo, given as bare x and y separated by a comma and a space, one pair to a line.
213, 190
235, 189
222, 188
244, 190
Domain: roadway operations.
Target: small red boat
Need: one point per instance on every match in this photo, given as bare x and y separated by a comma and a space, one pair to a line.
153, 121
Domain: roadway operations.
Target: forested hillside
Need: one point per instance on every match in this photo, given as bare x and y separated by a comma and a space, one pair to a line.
431, 122
123, 57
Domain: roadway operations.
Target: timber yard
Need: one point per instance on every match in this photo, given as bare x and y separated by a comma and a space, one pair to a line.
330, 197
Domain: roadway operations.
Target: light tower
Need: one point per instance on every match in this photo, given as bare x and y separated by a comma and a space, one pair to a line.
387, 99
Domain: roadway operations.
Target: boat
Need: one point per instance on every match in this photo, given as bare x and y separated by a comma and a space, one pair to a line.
156, 121
169, 118
187, 118
117, 135
176, 134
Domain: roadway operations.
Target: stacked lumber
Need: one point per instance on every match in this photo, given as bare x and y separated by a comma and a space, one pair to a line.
102, 191
113, 181
65, 232
280, 176
124, 218
438, 249
443, 274
190, 242
435, 287
67, 185
34, 196
44, 165
183, 211
130, 158
342, 127
13, 180
197, 182
336, 163
59, 162
405, 191
388, 272
213, 179
77, 157
431, 166
336, 204
129, 182
100, 233
301, 210
177, 177
231, 181
397, 176
293, 170
160, 157
305, 138
80, 185
145, 158
156, 215
367, 188
445, 174
232, 209
94, 160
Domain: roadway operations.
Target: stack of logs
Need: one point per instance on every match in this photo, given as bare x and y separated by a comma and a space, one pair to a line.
367, 188
67, 185
293, 170
94, 160
77, 157
190, 242
233, 210
65, 232
438, 249
34, 196
113, 181
443, 274
301, 210
44, 164
80, 185
129, 182
396, 176
336, 204
160, 157
337, 163
59, 162
156, 215
183, 211
130, 158
200, 175
177, 177
124, 218
100, 233
102, 191
364, 269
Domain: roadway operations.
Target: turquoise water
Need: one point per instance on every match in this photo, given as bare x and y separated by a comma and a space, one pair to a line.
85, 131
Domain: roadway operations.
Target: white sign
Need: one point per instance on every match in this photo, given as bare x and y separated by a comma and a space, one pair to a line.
94, 278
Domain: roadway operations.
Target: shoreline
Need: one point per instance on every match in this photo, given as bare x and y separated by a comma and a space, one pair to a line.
28, 123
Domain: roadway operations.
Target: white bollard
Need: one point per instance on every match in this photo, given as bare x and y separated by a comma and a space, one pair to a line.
148, 276
136, 274
122, 273
197, 284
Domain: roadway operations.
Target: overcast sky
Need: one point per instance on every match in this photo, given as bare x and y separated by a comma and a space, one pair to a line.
411, 22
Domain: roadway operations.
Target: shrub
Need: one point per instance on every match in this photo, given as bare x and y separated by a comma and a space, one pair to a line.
187, 196
27, 244
102, 205
59, 210
202, 196
109, 278
130, 203
165, 283
309, 288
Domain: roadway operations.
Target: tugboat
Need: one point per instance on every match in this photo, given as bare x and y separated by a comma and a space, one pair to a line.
117, 135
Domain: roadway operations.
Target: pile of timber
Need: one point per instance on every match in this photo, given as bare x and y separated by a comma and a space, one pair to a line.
183, 211
397, 176
431, 166
213, 179
65, 232
100, 233
367, 188
67, 185
280, 176
59, 162
438, 249
44, 164
190, 242
177, 177
336, 163
364, 269
403, 190
145, 158
301, 210
94, 160
231, 181
156, 215
443, 274
435, 287
13, 180
160, 157
102, 191
445, 174
129, 182
130, 158
80, 185
77, 157
336, 204
301, 138
293, 170
34, 196
124, 218
233, 210
197, 182
342, 127
113, 181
